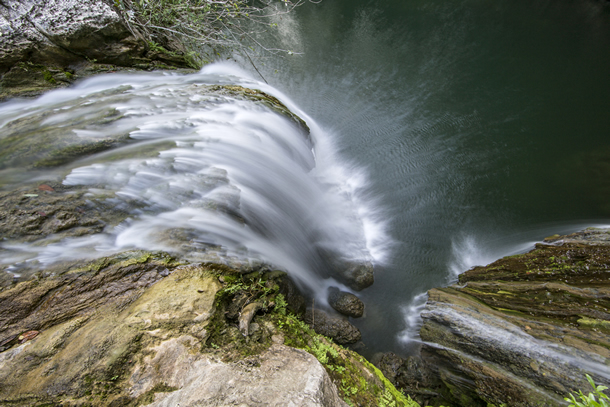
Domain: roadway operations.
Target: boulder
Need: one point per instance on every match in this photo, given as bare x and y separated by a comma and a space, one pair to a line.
63, 32
335, 327
132, 330
345, 303
281, 376
359, 275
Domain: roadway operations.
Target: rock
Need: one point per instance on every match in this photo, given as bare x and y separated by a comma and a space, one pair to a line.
337, 328
389, 364
39, 304
140, 329
345, 303
109, 342
525, 329
61, 31
95, 323
359, 275
411, 375
47, 44
281, 376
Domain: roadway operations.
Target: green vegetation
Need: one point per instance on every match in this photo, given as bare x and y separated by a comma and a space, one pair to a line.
597, 398
358, 381
213, 24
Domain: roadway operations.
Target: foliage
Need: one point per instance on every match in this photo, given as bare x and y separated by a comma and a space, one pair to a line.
321, 350
204, 23
387, 400
280, 304
595, 399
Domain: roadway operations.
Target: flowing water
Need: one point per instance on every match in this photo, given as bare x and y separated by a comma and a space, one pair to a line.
483, 127
443, 135
202, 172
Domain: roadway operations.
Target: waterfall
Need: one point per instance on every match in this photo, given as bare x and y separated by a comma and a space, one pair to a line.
208, 175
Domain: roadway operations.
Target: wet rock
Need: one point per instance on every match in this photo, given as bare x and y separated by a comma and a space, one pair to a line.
105, 335
335, 327
359, 275
525, 329
28, 214
389, 364
78, 292
411, 375
345, 303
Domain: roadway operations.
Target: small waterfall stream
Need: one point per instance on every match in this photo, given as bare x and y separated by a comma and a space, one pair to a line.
209, 175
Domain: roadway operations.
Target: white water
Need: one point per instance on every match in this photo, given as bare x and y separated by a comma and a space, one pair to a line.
243, 183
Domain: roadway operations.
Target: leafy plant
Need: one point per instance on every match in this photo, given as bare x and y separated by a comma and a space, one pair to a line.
387, 400
198, 24
595, 399
321, 351
280, 304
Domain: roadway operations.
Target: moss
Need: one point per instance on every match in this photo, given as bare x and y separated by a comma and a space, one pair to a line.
238, 291
263, 98
149, 396
346, 368
123, 259
595, 323
48, 76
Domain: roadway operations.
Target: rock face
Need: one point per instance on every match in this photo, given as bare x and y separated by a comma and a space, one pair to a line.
129, 331
142, 328
525, 329
44, 44
345, 303
62, 31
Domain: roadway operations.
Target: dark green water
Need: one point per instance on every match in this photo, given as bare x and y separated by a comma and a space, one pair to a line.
483, 125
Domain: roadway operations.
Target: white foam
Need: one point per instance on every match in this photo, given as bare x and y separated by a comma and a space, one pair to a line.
239, 175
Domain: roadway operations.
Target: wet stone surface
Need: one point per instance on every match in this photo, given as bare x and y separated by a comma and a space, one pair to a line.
524, 329
345, 303
335, 327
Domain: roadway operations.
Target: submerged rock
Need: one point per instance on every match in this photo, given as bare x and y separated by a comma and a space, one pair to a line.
359, 275
525, 329
345, 303
335, 327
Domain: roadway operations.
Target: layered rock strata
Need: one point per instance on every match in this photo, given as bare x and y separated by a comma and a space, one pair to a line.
524, 330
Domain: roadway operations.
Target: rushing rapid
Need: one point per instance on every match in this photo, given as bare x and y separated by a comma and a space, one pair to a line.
209, 175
